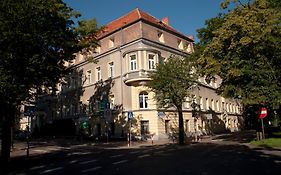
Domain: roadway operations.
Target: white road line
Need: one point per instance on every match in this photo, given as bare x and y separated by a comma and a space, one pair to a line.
145, 155
119, 162
91, 169
38, 167
51, 170
86, 162
40, 150
73, 161
119, 155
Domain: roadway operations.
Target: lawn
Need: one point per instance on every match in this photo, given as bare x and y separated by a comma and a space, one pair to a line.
274, 141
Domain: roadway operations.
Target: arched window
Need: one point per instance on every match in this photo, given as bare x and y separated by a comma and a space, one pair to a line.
143, 97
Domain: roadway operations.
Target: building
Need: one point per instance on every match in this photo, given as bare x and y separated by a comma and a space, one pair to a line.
100, 97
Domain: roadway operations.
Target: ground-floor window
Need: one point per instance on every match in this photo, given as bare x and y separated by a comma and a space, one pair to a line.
167, 126
144, 127
186, 125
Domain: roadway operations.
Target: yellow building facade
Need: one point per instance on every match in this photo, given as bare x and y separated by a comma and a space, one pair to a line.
105, 94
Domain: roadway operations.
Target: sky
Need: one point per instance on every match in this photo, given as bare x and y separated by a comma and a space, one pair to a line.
186, 16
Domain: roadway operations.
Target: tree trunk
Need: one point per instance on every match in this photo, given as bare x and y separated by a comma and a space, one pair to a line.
181, 128
8, 116
6, 142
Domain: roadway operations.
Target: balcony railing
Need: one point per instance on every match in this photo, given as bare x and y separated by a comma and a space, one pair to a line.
137, 77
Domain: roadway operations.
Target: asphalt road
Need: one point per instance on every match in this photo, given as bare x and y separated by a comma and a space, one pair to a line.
217, 157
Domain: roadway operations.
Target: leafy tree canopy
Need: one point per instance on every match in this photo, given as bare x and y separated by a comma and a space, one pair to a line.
36, 38
172, 81
243, 48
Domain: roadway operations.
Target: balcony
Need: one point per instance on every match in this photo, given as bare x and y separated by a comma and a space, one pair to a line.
137, 78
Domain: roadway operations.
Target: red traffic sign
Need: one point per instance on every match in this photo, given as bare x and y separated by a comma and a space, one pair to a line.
263, 112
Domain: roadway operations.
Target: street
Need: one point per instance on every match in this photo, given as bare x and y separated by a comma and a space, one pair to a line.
216, 156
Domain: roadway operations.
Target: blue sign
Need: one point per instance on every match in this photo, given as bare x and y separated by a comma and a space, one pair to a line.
161, 114
130, 115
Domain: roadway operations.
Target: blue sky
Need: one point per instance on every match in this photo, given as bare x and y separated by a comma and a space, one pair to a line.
185, 15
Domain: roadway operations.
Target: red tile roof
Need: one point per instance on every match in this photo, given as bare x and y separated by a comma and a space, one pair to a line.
134, 16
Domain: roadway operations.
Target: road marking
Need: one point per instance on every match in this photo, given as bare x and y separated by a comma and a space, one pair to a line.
145, 155
73, 161
119, 162
119, 155
40, 150
91, 169
81, 153
51, 170
38, 167
86, 162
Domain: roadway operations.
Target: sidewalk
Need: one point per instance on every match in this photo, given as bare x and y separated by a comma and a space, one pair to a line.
42, 146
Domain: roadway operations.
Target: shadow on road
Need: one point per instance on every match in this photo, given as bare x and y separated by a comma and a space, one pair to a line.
240, 137
197, 159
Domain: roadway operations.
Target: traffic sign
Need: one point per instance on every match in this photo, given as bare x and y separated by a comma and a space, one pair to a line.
130, 115
263, 113
161, 114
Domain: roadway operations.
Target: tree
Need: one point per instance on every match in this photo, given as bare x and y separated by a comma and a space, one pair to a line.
172, 83
37, 37
244, 50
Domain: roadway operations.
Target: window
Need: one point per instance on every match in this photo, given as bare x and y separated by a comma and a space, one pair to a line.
187, 102
218, 105
98, 49
223, 107
189, 48
111, 43
167, 126
180, 44
201, 103
227, 107
98, 74
187, 126
207, 104
111, 69
195, 125
144, 127
161, 37
133, 62
89, 77
151, 61
143, 97
213, 104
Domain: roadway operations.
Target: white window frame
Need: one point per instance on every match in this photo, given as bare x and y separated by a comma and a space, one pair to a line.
111, 42
143, 100
161, 37
89, 76
111, 69
151, 61
133, 63
98, 73
180, 44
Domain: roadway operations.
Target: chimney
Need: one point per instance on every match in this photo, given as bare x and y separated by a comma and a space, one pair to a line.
166, 21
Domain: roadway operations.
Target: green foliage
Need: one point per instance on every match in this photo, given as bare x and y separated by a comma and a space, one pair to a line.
172, 81
243, 48
36, 38
271, 142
